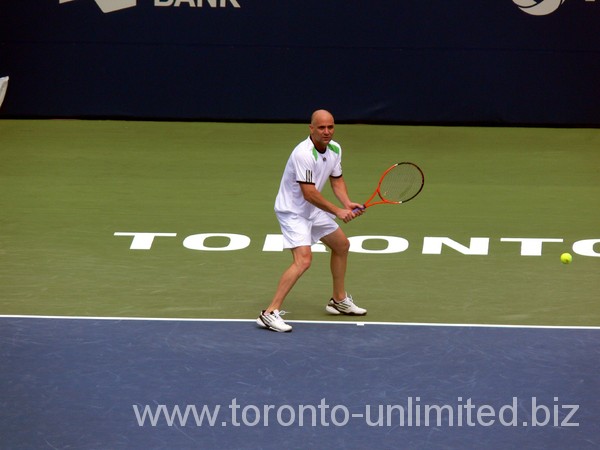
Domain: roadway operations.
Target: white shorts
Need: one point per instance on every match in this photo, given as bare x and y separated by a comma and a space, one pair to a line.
298, 231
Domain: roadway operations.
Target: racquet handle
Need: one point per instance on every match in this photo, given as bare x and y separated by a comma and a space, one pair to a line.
355, 210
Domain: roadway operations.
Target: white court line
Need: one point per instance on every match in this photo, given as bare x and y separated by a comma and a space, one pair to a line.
328, 322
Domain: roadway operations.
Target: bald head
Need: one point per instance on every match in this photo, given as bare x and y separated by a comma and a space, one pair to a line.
321, 128
321, 115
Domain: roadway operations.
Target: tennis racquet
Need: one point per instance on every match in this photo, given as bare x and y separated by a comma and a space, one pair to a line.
398, 184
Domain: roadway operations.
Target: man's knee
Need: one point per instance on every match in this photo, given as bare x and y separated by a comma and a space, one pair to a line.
303, 260
345, 245
337, 242
341, 246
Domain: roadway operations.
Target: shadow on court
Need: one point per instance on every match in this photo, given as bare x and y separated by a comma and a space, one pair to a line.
100, 383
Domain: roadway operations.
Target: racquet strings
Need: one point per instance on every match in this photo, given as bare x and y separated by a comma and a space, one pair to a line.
401, 183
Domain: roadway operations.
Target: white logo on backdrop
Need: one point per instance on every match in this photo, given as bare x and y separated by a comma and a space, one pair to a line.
108, 6
3, 87
538, 8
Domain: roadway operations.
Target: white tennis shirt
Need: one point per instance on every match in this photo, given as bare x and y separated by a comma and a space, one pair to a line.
307, 165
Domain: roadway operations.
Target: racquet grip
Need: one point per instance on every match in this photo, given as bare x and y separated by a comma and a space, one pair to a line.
355, 210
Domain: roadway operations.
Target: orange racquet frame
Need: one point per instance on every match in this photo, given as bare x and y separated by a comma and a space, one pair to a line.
412, 185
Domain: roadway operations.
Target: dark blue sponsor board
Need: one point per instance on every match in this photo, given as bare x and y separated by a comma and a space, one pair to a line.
430, 61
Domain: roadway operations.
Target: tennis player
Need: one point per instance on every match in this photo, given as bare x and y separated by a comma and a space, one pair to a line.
306, 216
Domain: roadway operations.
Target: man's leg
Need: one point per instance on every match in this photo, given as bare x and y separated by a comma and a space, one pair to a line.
341, 302
302, 260
339, 245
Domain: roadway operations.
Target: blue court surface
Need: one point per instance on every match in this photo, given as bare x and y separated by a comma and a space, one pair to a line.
74, 383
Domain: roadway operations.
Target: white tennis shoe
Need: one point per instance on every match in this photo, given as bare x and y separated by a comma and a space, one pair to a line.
345, 306
273, 321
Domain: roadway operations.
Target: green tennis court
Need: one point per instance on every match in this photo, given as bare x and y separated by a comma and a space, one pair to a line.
68, 186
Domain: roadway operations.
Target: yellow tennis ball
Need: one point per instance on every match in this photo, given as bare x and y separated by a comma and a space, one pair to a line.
566, 258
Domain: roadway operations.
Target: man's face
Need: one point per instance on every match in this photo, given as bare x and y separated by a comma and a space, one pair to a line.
322, 129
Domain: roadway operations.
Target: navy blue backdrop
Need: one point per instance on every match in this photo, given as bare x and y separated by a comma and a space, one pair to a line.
425, 61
